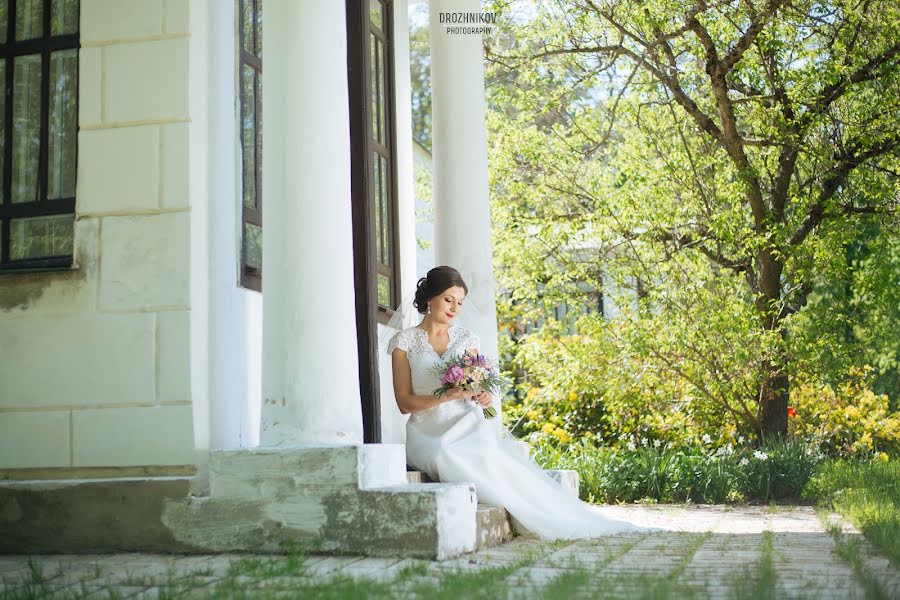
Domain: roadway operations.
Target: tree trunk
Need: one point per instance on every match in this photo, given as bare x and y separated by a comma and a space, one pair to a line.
774, 390
773, 402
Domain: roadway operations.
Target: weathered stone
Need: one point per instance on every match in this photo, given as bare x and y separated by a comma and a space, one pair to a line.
240, 473
88, 516
493, 527
145, 262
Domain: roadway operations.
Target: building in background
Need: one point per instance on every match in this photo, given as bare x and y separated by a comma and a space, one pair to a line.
208, 214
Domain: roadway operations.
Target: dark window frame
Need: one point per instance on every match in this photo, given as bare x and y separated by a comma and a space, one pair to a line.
42, 207
390, 234
362, 183
250, 276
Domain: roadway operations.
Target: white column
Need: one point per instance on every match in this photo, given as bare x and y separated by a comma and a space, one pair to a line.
462, 217
310, 371
235, 313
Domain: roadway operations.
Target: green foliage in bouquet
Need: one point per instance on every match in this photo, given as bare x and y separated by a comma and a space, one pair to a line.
470, 371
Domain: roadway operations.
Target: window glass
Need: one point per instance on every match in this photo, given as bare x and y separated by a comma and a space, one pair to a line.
63, 17
26, 131
250, 142
63, 123
38, 237
38, 153
29, 19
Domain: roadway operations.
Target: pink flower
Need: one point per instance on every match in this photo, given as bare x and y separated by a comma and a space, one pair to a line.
454, 374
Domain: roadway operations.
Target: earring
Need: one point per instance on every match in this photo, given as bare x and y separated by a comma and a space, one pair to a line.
429, 309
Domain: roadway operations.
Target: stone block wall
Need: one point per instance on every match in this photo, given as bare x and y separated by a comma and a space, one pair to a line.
95, 365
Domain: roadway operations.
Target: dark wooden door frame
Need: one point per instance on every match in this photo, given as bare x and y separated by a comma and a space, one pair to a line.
361, 185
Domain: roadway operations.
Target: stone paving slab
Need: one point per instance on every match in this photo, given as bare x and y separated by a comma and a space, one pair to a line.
705, 552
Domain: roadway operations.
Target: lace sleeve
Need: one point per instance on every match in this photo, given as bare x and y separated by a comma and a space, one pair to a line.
400, 340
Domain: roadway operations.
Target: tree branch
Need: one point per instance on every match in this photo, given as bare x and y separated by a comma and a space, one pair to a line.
866, 72
758, 24
689, 241
836, 178
731, 138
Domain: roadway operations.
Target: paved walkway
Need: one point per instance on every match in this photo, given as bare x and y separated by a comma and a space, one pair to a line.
708, 552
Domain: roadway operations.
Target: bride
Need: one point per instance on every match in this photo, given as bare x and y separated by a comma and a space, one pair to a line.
449, 438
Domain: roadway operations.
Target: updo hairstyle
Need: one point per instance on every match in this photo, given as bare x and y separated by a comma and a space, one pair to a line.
436, 281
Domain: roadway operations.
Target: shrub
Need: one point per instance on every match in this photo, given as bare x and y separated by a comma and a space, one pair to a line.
778, 469
846, 420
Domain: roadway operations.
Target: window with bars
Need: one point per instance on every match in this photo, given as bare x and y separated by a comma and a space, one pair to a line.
250, 85
381, 169
39, 40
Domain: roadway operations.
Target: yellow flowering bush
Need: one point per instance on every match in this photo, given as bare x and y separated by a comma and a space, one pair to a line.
847, 419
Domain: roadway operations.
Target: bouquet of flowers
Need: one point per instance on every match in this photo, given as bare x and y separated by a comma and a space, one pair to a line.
472, 372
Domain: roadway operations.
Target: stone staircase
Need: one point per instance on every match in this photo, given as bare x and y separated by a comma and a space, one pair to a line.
342, 500
494, 525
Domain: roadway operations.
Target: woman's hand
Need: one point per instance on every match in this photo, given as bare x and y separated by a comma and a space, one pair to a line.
483, 399
456, 394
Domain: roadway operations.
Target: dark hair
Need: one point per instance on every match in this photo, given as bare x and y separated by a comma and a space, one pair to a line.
438, 279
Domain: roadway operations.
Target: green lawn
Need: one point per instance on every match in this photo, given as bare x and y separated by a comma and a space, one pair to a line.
868, 494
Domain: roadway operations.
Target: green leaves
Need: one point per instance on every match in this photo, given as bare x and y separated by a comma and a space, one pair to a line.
619, 163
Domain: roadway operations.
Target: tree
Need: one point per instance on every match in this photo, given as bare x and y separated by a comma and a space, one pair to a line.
772, 124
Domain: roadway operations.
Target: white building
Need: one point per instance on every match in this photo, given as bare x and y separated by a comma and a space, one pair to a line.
138, 359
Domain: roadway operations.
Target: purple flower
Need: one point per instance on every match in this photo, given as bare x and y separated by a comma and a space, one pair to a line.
454, 374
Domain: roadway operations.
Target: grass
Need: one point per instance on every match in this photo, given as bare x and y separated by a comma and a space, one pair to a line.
848, 548
868, 494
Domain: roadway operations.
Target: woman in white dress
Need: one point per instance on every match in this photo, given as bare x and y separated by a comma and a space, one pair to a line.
449, 438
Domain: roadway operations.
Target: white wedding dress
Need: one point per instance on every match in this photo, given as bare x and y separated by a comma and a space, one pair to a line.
453, 442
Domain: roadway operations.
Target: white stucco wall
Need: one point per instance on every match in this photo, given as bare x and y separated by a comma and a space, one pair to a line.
96, 362
148, 351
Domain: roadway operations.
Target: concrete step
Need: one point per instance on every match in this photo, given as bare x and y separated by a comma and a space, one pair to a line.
349, 499
492, 526
413, 476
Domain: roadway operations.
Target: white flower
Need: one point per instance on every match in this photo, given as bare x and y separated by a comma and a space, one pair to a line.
744, 462
730, 448
631, 445
706, 439
643, 442
760, 455
740, 440
657, 443
720, 451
